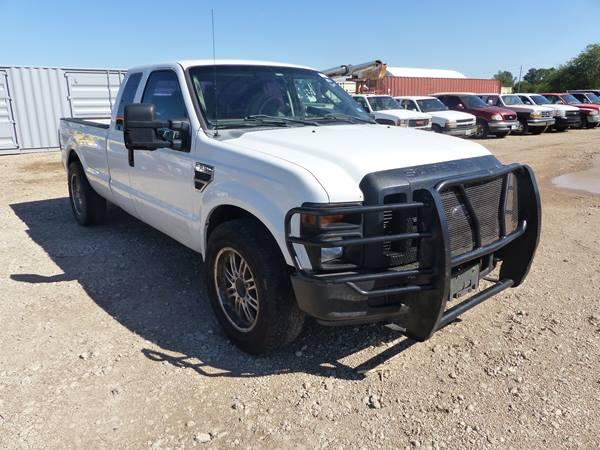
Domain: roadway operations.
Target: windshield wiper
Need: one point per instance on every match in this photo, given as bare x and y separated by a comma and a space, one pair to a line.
276, 120
345, 118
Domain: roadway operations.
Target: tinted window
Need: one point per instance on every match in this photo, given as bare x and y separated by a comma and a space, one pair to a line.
410, 105
129, 91
452, 102
362, 103
163, 90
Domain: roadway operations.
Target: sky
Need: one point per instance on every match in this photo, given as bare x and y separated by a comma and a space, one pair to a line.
475, 37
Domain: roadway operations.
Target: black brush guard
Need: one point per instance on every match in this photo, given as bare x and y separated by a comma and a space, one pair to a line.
423, 292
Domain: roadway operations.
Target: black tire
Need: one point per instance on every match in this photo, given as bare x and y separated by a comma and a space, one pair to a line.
524, 126
436, 128
88, 207
561, 128
502, 135
537, 130
482, 130
589, 125
278, 319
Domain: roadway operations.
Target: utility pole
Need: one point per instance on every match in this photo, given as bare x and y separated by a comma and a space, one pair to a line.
519, 82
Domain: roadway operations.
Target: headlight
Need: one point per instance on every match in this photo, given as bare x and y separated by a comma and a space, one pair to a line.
403, 123
497, 117
451, 124
536, 114
592, 113
330, 228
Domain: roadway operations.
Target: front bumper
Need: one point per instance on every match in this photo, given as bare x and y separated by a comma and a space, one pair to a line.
416, 298
542, 122
593, 119
460, 131
503, 126
573, 121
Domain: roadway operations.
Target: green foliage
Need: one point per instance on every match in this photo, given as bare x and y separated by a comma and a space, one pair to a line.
580, 72
506, 78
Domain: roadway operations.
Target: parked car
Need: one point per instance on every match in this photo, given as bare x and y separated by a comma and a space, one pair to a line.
387, 111
490, 120
533, 118
299, 204
596, 92
590, 113
565, 116
454, 123
586, 97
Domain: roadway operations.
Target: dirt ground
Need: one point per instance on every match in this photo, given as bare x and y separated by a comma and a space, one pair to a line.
107, 340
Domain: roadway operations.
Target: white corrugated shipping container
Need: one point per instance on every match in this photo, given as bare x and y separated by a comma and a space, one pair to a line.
33, 99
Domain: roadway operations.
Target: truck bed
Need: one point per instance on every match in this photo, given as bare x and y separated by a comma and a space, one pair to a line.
98, 122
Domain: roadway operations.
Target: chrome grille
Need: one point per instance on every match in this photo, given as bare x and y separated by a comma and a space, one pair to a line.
547, 113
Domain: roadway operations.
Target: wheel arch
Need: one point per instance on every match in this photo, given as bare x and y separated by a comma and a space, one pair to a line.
228, 212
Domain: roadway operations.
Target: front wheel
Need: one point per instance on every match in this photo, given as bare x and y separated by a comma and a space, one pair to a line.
503, 134
88, 207
537, 130
250, 288
481, 130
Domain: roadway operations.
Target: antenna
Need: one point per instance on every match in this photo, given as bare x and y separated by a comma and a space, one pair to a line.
212, 18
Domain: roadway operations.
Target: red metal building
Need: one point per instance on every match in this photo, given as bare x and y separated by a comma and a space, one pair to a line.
392, 85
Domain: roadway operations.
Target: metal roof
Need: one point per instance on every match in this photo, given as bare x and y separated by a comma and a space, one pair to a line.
422, 73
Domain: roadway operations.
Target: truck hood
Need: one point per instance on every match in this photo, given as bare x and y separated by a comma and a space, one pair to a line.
528, 108
560, 107
339, 156
401, 114
451, 115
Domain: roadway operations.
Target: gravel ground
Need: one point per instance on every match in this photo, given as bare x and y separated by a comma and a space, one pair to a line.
108, 340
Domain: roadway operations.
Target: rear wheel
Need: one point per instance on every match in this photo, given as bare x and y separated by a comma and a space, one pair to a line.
250, 288
88, 207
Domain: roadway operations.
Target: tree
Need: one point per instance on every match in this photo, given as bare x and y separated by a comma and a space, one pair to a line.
580, 72
535, 80
506, 78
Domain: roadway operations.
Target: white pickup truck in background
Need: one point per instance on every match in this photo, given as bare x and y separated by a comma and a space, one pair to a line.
454, 123
299, 204
387, 111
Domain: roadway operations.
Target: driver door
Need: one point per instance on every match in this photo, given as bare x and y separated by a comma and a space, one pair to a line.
162, 180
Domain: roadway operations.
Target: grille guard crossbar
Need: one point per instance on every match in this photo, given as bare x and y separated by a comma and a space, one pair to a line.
430, 286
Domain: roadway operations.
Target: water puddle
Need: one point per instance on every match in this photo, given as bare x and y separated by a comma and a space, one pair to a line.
586, 180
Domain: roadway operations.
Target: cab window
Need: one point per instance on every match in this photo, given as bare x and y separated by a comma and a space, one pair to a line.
127, 97
163, 90
410, 105
362, 102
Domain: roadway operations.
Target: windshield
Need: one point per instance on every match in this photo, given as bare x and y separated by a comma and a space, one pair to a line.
593, 97
472, 101
383, 103
569, 99
250, 95
540, 100
431, 105
512, 100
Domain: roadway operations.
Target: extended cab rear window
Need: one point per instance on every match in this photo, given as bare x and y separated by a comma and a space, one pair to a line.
127, 97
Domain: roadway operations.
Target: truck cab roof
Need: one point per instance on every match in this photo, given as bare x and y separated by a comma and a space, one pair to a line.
187, 63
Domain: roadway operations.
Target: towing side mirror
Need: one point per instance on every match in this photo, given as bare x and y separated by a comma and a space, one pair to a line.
460, 106
141, 131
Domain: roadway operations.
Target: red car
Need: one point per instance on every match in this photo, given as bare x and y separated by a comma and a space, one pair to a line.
490, 119
590, 113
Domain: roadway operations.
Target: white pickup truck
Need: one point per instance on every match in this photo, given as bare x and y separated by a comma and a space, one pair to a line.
300, 205
387, 111
445, 120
